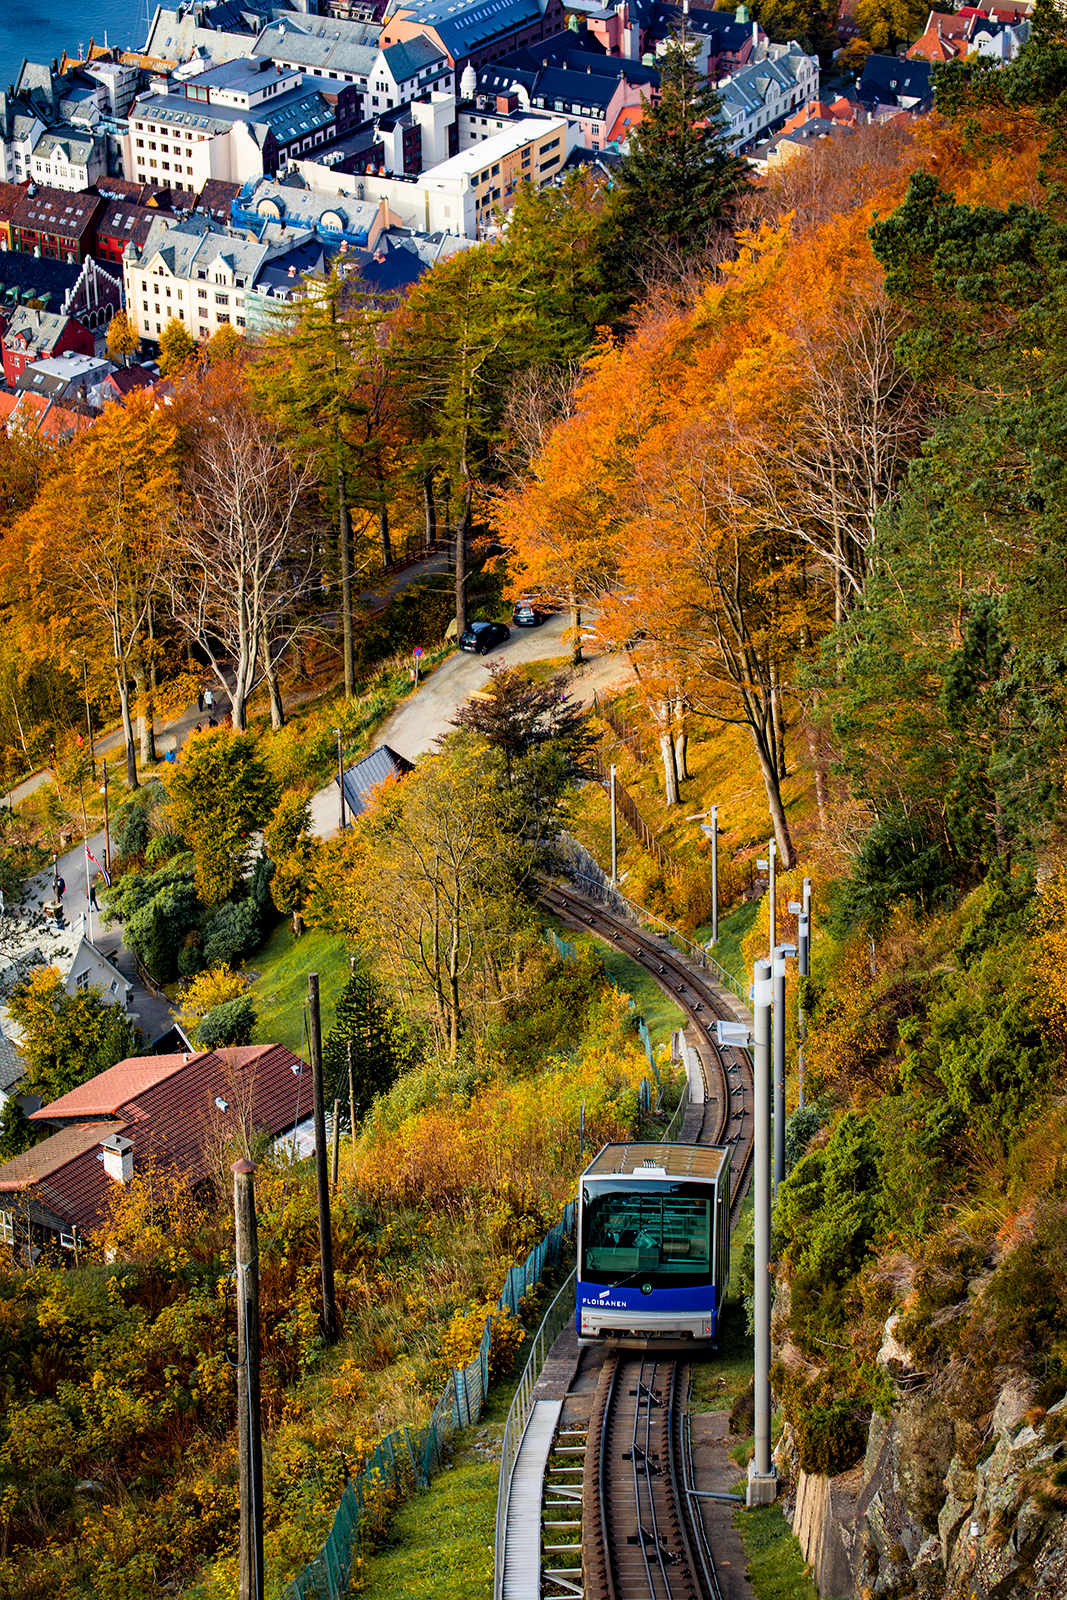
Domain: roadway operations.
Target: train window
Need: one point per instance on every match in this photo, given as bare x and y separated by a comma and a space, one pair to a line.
663, 1234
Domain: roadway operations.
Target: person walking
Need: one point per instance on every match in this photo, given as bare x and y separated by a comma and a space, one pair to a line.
92, 897
209, 701
61, 888
199, 700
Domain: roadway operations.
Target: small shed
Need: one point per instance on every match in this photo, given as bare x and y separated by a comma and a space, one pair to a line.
361, 780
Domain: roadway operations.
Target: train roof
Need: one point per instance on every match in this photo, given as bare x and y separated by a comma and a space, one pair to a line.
703, 1162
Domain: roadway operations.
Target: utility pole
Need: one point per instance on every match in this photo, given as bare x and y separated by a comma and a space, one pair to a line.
714, 874
804, 970
89, 721
329, 1304
249, 1438
762, 1484
772, 901
341, 776
614, 832
107, 824
781, 953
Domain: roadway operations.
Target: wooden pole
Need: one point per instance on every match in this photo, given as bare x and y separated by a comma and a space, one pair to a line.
249, 1438
329, 1304
351, 1098
336, 1142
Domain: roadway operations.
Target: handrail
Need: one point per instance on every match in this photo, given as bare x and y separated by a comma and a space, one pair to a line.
558, 1313
672, 935
674, 1126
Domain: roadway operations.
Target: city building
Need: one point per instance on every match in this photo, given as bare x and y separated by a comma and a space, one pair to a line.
385, 76
462, 194
235, 122
62, 378
194, 271
476, 32
759, 97
32, 335
56, 222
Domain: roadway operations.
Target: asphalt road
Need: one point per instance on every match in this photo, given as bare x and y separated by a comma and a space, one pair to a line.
424, 717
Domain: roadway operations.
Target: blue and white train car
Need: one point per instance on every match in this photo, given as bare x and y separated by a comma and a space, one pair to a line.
653, 1245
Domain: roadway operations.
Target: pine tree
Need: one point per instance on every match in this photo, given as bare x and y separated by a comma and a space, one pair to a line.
381, 1049
679, 178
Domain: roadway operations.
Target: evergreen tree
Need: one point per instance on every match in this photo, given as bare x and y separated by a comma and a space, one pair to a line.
380, 1046
16, 1131
679, 179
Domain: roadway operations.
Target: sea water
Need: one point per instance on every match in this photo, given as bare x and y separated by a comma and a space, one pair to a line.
40, 30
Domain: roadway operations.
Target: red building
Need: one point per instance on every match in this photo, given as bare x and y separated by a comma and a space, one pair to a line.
56, 222
32, 335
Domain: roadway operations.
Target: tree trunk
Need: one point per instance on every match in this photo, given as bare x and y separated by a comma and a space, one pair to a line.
462, 525
298, 925
681, 751
127, 728
818, 767
779, 719
277, 710
768, 767
383, 534
576, 652
430, 507
344, 542
670, 776
148, 743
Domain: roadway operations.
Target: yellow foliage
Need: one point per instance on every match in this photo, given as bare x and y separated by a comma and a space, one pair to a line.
206, 990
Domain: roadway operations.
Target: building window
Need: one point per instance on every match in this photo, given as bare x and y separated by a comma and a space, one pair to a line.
166, 166
202, 293
140, 144
240, 321
222, 299
203, 331
151, 144
151, 163
222, 316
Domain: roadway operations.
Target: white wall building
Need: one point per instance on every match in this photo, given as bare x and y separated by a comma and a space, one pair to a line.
192, 271
462, 194
766, 92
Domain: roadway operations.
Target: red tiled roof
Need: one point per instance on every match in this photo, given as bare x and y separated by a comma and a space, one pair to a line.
59, 423
177, 1106
10, 195
47, 1157
56, 210
126, 379
103, 1095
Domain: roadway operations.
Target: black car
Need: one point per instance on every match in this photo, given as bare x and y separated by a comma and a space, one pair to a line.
483, 636
526, 615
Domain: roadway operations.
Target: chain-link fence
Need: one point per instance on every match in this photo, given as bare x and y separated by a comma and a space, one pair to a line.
409, 1457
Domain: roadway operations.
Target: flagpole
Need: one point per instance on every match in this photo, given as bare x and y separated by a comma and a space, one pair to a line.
88, 901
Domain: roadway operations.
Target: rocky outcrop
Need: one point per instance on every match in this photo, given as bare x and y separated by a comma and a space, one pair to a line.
908, 1521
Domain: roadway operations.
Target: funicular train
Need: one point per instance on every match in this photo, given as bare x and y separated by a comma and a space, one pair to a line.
653, 1245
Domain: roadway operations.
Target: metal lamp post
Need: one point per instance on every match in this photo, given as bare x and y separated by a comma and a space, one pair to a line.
782, 952
802, 910
762, 1483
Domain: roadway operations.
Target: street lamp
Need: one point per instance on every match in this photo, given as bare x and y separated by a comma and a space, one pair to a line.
768, 866
341, 776
762, 1483
782, 953
802, 911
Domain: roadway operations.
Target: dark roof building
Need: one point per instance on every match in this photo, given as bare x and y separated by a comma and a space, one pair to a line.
361, 780
24, 278
476, 32
216, 198
121, 223
891, 81
57, 222
165, 1109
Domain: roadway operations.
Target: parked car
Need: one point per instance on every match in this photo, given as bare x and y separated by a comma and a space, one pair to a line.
526, 615
482, 637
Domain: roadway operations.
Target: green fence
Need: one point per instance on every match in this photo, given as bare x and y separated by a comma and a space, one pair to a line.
409, 1457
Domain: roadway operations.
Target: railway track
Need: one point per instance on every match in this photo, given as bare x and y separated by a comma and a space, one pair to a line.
641, 1537
727, 1071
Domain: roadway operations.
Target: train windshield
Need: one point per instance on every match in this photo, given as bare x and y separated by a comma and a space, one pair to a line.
655, 1234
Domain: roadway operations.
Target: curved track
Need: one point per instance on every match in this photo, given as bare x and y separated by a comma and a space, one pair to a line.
728, 1100
641, 1538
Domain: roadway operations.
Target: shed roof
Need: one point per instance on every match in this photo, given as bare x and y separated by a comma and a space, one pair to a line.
366, 775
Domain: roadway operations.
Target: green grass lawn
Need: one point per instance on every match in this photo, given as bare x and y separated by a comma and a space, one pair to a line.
776, 1568
281, 986
661, 1014
441, 1542
732, 930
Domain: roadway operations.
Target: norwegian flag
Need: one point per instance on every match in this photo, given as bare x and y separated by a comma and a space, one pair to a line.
104, 873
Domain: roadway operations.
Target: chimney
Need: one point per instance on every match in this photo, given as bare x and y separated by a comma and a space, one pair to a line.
118, 1158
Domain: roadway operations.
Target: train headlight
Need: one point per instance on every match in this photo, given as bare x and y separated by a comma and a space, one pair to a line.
646, 1288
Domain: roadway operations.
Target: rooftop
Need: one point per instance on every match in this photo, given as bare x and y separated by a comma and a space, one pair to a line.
699, 1161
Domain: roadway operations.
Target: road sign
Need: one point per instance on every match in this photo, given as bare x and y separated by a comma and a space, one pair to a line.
417, 652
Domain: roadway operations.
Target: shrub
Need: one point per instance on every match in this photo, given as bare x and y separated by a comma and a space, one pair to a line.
831, 1207
829, 1439
233, 933
231, 1023
205, 993
157, 931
